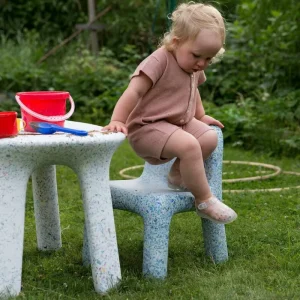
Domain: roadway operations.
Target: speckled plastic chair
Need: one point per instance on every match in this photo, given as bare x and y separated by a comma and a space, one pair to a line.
150, 197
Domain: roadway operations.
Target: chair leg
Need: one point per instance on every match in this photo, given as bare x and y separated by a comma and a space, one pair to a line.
156, 243
46, 208
215, 241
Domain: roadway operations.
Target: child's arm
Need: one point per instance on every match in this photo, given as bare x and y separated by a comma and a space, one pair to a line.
136, 89
200, 113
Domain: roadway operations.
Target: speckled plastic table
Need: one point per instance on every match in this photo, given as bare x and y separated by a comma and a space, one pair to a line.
37, 155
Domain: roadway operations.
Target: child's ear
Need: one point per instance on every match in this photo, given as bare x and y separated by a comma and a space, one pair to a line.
175, 42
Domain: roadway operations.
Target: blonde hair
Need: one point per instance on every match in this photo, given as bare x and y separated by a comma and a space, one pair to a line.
187, 21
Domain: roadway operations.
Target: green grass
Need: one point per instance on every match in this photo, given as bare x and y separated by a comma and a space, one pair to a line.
263, 244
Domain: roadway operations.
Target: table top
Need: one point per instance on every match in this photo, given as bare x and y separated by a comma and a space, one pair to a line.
95, 136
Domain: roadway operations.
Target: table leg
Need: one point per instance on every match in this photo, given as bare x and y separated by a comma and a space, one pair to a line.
46, 208
85, 249
100, 226
12, 214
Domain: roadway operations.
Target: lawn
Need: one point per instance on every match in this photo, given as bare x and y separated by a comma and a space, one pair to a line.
263, 243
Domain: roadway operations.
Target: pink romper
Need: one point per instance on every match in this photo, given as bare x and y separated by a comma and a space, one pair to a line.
168, 106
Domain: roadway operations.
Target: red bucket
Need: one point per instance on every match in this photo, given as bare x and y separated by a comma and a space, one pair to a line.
44, 106
8, 124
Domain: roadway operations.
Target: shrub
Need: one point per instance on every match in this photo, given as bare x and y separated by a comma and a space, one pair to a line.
53, 19
271, 126
262, 56
95, 83
19, 70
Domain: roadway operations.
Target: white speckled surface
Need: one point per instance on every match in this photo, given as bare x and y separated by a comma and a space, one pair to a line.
150, 197
36, 155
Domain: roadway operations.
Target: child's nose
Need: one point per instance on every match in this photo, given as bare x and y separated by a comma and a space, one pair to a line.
201, 63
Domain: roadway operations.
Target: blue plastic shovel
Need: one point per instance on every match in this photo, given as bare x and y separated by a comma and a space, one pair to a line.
48, 128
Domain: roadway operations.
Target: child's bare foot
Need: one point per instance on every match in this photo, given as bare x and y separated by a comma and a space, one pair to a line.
216, 211
175, 181
174, 178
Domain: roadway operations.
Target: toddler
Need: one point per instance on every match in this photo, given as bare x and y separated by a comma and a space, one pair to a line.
161, 110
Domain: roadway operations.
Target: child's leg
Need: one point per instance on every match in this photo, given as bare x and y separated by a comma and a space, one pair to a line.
190, 163
208, 142
174, 176
191, 166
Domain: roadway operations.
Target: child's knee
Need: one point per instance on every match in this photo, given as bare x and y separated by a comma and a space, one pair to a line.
213, 138
209, 141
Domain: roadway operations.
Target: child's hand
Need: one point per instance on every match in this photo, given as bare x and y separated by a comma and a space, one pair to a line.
211, 121
116, 126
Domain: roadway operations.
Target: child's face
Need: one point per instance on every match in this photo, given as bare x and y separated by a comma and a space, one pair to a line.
195, 55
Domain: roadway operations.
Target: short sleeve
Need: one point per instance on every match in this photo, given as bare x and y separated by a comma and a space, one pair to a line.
153, 66
201, 78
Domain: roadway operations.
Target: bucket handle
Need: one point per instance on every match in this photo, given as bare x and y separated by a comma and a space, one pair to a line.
47, 118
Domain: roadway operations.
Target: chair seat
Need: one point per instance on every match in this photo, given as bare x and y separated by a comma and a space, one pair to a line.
138, 196
141, 186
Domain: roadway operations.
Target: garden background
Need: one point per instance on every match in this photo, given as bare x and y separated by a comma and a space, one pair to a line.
254, 91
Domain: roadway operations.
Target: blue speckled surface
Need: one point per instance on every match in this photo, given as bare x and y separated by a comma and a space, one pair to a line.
150, 197
36, 155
